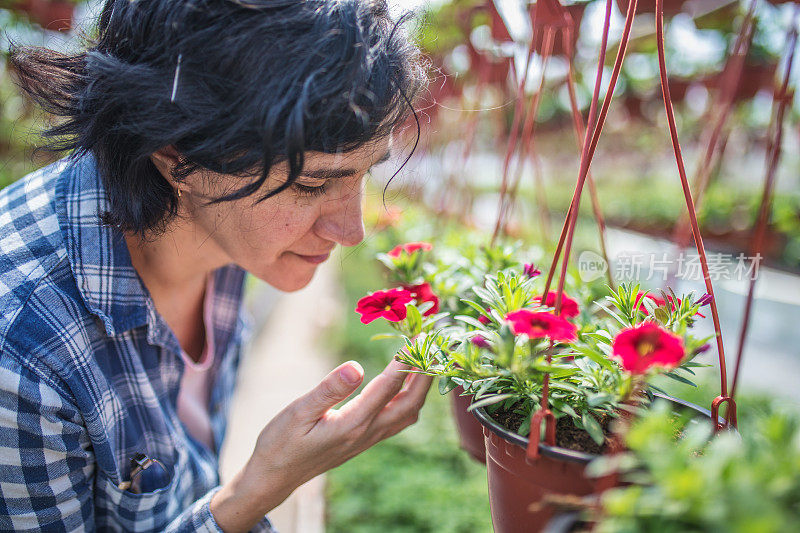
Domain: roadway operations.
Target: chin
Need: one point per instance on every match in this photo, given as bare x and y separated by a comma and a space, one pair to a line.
287, 282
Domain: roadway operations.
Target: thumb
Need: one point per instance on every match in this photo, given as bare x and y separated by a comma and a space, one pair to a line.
334, 388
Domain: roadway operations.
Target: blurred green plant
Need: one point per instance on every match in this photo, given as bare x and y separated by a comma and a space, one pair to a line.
744, 483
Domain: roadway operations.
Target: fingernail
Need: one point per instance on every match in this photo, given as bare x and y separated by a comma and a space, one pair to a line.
351, 373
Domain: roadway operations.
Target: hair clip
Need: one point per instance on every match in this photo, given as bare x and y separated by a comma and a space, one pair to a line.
175, 79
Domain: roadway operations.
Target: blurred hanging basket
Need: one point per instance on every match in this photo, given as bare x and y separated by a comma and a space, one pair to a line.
671, 7
755, 77
53, 15
470, 431
549, 13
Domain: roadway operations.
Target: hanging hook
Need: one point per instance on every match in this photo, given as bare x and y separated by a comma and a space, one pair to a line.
535, 436
730, 416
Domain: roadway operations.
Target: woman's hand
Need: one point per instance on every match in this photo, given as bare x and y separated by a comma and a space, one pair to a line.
310, 437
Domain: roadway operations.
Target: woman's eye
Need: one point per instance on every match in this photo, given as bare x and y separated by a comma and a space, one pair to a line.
307, 190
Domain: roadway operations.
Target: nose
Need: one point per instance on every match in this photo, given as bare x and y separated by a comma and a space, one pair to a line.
342, 220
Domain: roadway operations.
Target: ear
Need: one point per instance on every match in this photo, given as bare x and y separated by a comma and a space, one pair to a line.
166, 159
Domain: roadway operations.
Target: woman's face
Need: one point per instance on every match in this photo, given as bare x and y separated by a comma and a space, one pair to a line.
283, 239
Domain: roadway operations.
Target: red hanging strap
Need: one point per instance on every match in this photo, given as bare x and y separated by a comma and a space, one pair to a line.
595, 127
782, 100
698, 239
565, 241
717, 138
580, 132
592, 117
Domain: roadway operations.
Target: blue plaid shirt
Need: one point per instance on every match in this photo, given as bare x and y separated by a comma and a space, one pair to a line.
89, 371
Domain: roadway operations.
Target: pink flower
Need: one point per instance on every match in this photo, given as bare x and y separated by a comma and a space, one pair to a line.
705, 299
648, 345
409, 248
531, 271
702, 349
569, 307
480, 342
423, 293
540, 324
389, 304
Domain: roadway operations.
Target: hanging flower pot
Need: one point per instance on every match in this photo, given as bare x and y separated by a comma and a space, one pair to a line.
490, 70
53, 15
550, 13
755, 76
470, 431
518, 486
497, 24
671, 7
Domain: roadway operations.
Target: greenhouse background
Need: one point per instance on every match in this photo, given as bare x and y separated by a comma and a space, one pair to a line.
493, 150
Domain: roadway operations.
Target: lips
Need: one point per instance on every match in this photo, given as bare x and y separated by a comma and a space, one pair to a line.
314, 259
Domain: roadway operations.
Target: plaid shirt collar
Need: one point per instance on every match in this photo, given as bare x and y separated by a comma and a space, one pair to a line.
98, 254
101, 263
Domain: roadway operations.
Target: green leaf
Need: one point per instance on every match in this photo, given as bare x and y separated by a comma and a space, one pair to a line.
384, 336
446, 384
593, 428
475, 305
469, 320
482, 293
495, 398
413, 319
600, 359
682, 379
599, 399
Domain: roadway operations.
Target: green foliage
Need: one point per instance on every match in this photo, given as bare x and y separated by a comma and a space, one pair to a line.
473, 346
731, 482
419, 480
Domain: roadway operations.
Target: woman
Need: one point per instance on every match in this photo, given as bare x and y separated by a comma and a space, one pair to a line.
208, 138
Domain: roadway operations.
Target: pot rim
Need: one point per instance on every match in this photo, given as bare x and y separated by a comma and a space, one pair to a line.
564, 454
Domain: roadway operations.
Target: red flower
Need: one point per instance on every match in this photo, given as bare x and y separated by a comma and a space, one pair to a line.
423, 293
483, 319
640, 348
569, 307
390, 305
409, 248
539, 324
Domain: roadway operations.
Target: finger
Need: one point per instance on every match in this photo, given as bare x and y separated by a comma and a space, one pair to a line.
334, 388
377, 393
405, 406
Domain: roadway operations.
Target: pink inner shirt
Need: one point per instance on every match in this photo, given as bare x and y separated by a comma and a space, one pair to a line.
195, 387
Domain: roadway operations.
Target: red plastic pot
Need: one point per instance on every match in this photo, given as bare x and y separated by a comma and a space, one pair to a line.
518, 486
53, 15
470, 431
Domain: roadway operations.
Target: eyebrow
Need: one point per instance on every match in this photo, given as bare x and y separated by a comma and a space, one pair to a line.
333, 173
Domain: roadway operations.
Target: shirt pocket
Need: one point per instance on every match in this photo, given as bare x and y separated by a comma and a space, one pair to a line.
117, 509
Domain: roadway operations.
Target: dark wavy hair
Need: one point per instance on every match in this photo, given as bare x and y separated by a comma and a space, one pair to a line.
235, 85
